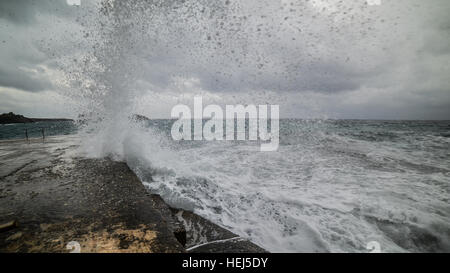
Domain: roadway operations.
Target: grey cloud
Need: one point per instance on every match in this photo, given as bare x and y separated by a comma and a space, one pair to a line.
26, 11
331, 48
229, 50
23, 81
20, 63
34, 33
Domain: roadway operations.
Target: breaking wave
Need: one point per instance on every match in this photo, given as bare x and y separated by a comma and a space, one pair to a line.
327, 188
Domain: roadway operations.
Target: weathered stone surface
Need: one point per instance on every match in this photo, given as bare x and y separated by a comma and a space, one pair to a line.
8, 225
98, 203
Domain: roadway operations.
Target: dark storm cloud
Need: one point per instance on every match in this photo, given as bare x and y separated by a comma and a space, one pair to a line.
320, 77
23, 81
18, 12
20, 67
26, 11
344, 50
337, 49
25, 26
255, 45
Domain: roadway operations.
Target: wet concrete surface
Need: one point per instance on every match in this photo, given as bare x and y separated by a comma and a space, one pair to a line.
58, 197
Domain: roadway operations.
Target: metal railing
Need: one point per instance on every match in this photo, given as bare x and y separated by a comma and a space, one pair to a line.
42, 130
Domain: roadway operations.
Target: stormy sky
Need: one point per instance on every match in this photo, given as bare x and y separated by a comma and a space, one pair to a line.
316, 59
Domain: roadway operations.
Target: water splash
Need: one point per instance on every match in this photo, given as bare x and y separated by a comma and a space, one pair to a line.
257, 47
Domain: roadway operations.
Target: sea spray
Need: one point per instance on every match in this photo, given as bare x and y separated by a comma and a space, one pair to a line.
226, 49
331, 185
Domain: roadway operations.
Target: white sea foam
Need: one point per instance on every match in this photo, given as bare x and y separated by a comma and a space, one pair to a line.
329, 187
322, 193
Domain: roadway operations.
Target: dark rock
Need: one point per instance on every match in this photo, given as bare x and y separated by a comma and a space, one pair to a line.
10, 117
203, 236
180, 234
8, 226
13, 118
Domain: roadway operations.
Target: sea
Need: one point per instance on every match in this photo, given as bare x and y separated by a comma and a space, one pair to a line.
332, 185
34, 129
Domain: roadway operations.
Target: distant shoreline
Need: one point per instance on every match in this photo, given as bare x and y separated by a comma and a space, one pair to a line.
50, 119
11, 118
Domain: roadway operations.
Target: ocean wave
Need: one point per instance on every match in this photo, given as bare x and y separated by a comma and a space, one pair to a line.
322, 192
